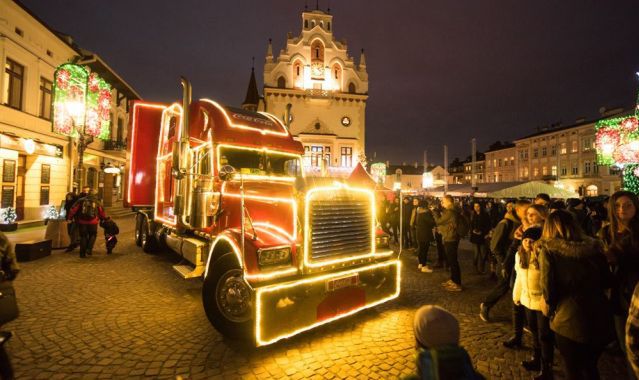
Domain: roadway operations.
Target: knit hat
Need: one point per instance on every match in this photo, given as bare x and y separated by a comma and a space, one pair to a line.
533, 233
435, 326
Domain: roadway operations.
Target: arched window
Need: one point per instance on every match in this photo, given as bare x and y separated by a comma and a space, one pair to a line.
312, 24
317, 59
322, 24
351, 88
298, 69
337, 72
329, 26
281, 82
297, 75
305, 24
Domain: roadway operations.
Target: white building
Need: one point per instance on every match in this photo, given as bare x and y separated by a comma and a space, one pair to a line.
410, 178
327, 91
37, 166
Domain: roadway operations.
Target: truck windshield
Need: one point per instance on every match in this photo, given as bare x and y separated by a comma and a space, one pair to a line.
261, 163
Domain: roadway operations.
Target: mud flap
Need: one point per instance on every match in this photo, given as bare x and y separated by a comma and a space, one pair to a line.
287, 309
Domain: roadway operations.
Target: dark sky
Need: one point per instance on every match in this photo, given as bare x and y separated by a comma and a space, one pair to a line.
441, 72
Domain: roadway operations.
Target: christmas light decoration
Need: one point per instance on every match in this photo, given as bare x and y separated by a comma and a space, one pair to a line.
378, 172
51, 213
617, 140
631, 178
81, 99
8, 215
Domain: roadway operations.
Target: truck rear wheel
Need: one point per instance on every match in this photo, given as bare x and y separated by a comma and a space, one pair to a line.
146, 238
228, 299
138, 230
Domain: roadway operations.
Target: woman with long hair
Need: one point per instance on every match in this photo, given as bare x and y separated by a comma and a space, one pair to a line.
574, 276
621, 238
527, 293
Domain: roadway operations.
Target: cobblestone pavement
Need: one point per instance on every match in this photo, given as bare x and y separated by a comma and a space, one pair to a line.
128, 315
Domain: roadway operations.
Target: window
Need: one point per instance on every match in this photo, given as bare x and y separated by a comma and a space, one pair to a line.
587, 144
535, 153
535, 172
317, 152
595, 168
45, 174
8, 171
305, 24
19, 32
544, 152
44, 195
13, 78
544, 170
351, 88
347, 156
45, 98
564, 170
587, 167
575, 146
329, 26
7, 196
554, 170
553, 150
563, 148
120, 131
499, 162
575, 168
614, 170
281, 82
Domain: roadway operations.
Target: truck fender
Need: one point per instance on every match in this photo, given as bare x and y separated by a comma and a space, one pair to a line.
224, 243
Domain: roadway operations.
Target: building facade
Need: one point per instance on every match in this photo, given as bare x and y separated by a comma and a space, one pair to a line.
38, 166
410, 178
500, 164
566, 157
327, 91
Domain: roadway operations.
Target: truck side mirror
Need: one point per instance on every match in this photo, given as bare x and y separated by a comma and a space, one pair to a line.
227, 172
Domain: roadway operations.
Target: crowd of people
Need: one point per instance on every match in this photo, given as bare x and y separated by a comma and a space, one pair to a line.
571, 269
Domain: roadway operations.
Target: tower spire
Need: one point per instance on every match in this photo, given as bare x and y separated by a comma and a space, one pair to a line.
252, 98
269, 51
362, 61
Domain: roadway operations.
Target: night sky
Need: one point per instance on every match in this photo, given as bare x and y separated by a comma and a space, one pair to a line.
441, 72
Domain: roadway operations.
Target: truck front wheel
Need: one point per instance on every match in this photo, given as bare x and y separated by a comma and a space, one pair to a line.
228, 299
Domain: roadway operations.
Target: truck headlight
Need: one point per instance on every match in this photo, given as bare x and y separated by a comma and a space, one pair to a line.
276, 256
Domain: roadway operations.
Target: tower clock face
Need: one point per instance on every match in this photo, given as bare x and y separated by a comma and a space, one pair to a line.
346, 121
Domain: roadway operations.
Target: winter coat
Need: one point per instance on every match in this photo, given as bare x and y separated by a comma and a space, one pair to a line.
479, 222
527, 288
624, 258
447, 224
503, 235
574, 276
442, 363
424, 225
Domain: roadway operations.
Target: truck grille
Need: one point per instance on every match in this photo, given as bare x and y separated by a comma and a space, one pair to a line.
340, 224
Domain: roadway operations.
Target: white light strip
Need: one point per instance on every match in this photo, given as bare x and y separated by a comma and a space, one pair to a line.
268, 289
246, 127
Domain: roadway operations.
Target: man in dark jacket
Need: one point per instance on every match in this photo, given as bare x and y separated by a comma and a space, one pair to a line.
447, 226
424, 224
87, 212
407, 211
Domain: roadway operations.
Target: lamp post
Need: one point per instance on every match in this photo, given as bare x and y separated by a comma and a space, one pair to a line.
76, 110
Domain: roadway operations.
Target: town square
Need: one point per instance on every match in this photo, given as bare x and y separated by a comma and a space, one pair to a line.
319, 190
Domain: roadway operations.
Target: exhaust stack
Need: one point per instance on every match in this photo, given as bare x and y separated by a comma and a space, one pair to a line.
182, 163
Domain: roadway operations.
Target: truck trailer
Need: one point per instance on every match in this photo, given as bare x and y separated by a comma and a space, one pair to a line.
279, 253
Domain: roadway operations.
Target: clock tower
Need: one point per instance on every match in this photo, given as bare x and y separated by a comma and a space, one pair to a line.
327, 91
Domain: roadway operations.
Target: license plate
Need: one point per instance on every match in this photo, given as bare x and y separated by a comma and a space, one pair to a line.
342, 282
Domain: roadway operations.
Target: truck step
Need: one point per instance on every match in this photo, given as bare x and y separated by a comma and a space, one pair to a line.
187, 271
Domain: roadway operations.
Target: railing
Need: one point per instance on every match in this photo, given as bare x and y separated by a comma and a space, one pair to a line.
114, 145
318, 93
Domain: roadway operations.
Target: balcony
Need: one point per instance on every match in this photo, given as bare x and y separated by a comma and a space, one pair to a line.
318, 93
114, 145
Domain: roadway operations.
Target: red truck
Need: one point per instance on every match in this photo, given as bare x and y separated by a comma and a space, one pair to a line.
279, 253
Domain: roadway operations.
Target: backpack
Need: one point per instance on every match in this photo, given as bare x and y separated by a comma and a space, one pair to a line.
462, 225
88, 209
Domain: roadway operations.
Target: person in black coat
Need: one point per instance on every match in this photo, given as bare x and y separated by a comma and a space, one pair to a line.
479, 228
424, 224
407, 210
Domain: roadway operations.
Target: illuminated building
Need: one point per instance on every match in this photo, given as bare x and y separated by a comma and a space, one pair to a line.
327, 90
411, 177
37, 164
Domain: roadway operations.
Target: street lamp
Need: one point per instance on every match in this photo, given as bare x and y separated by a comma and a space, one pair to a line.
76, 110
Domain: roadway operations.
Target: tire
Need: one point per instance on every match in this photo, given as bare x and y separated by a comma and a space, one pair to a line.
138, 230
228, 300
146, 237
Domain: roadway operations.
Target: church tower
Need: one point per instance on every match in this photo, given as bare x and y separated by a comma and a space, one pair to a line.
328, 93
